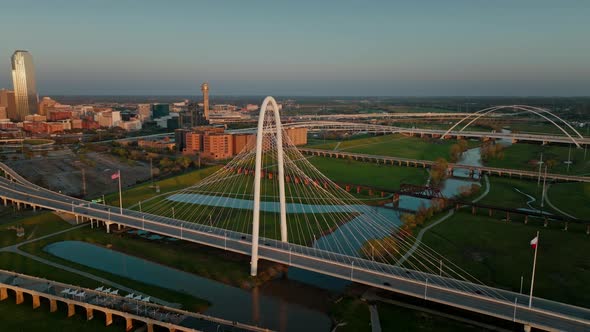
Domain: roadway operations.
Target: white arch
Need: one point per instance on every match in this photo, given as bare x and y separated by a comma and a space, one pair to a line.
530, 109
257, 175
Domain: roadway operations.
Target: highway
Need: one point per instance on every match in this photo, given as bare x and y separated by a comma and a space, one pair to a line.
490, 301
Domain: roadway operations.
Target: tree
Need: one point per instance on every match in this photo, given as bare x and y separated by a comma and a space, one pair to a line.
439, 170
380, 250
184, 162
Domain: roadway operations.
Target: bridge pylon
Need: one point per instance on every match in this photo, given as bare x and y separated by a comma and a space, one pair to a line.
257, 177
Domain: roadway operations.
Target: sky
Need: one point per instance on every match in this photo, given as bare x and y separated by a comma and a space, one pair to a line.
302, 47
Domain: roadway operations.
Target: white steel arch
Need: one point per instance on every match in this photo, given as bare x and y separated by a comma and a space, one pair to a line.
257, 176
530, 109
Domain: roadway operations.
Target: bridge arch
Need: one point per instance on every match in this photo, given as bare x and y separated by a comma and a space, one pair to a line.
257, 177
530, 109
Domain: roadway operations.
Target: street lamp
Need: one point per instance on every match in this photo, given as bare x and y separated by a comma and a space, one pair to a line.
351, 269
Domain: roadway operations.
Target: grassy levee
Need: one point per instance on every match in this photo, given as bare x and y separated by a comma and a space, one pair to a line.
498, 253
143, 191
396, 318
397, 146
352, 312
524, 156
503, 193
571, 198
369, 174
35, 225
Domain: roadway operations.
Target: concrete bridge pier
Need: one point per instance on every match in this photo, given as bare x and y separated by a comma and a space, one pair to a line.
473, 210
150, 327
587, 229
3, 293
526, 219
108, 318
71, 310
565, 226
36, 301
545, 222
508, 216
527, 328
128, 324
108, 225
89, 313
52, 305
20, 298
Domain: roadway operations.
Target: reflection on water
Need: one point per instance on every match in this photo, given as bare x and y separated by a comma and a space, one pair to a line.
228, 302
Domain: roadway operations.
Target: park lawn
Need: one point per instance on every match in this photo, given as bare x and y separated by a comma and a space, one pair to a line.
35, 225
397, 145
21, 264
525, 156
396, 318
503, 193
24, 318
374, 175
572, 198
144, 191
353, 312
498, 253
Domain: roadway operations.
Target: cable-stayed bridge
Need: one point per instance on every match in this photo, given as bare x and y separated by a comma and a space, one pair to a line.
270, 203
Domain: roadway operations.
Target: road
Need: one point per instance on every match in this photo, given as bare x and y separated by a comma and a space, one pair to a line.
544, 314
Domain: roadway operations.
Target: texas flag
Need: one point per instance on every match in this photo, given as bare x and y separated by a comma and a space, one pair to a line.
115, 176
534, 242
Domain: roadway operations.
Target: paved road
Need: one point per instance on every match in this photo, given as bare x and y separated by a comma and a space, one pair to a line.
499, 303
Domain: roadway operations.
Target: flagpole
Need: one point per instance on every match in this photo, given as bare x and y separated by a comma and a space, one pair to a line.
533, 276
120, 195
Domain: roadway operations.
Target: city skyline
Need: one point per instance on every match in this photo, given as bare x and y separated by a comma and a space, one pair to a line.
366, 49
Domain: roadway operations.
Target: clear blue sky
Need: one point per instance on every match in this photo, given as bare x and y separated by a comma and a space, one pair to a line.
301, 47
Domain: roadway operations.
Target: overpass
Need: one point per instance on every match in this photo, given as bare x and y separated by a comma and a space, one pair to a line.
499, 303
473, 170
132, 308
320, 126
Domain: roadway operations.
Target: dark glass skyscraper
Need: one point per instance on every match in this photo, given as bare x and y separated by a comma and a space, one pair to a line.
25, 88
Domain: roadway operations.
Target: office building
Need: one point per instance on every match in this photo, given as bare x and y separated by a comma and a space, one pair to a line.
8, 102
160, 110
144, 112
25, 90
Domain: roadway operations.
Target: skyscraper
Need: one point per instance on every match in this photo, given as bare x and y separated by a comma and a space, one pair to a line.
205, 90
23, 79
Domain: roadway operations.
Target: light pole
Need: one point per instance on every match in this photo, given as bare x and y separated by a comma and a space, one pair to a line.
290, 249
521, 281
72, 206
181, 231
425, 288
142, 223
225, 241
173, 214
139, 206
540, 164
351, 269
440, 268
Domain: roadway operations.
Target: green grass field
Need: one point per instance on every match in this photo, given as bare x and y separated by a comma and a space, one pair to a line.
572, 198
369, 174
35, 225
498, 253
524, 156
396, 146
145, 190
395, 318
